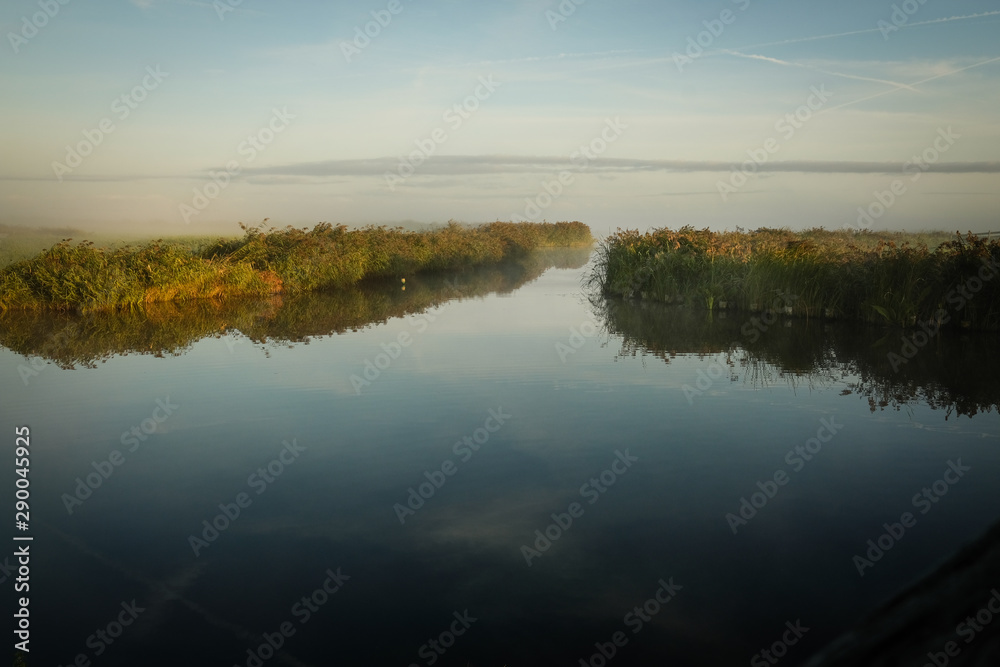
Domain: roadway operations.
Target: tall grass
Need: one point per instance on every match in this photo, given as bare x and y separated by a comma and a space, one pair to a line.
893, 278
73, 339
263, 261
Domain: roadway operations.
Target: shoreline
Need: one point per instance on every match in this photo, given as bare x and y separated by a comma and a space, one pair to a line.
892, 279
263, 262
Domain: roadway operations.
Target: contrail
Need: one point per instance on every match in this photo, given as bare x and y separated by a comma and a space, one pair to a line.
915, 83
868, 30
558, 56
822, 71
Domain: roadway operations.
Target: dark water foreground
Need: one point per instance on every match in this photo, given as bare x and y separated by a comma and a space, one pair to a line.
485, 469
918, 627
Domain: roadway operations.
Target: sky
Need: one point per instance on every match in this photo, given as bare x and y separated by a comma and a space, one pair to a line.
183, 117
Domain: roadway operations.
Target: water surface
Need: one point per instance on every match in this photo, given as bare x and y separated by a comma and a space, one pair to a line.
509, 399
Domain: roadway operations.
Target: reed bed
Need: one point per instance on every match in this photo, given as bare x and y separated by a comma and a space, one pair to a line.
893, 278
262, 262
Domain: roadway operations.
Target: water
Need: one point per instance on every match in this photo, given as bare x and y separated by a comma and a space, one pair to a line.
510, 398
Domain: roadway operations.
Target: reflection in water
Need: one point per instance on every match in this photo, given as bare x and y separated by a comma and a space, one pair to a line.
72, 340
876, 363
663, 522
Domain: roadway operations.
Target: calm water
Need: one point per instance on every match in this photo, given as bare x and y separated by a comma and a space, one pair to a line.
511, 399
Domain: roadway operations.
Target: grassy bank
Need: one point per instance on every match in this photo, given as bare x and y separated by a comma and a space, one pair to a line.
81, 339
263, 261
888, 278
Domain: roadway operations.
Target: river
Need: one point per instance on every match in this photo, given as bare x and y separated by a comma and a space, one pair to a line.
488, 468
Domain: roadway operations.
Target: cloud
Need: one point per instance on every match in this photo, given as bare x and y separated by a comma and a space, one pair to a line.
964, 193
460, 165
457, 167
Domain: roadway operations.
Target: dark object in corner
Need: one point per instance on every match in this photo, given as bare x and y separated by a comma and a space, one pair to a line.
931, 617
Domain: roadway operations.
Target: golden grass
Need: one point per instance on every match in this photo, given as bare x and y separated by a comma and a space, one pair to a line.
263, 261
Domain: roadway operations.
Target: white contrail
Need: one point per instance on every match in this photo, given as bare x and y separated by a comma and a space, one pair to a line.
952, 18
896, 84
823, 71
915, 83
868, 30
559, 56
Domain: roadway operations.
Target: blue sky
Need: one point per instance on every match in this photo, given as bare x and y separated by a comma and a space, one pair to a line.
237, 111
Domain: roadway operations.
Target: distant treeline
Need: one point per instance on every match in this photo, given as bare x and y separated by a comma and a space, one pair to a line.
263, 261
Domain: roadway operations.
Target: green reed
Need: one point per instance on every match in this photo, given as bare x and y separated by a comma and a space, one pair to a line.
891, 278
263, 261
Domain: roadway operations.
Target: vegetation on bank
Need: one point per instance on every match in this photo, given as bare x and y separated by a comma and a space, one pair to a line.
18, 242
886, 278
263, 261
82, 339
